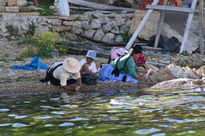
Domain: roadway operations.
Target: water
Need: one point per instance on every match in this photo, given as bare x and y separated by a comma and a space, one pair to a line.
113, 113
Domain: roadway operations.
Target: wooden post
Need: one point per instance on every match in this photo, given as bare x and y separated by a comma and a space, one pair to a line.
201, 27
35, 3
190, 17
134, 36
162, 13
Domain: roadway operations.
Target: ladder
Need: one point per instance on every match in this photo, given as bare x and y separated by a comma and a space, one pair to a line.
164, 8
201, 26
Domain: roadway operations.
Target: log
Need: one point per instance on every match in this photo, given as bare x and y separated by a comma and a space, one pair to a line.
101, 42
75, 48
98, 6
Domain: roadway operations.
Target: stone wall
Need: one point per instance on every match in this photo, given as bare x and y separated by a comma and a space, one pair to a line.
100, 27
12, 6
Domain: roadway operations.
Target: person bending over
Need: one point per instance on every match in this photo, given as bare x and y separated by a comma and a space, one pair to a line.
124, 68
65, 73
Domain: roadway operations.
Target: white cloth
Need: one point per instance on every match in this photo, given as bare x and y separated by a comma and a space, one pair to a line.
62, 7
92, 68
61, 74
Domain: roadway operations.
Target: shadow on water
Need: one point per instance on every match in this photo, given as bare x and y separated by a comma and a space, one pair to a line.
115, 112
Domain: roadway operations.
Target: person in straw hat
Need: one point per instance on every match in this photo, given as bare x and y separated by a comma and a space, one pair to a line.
65, 73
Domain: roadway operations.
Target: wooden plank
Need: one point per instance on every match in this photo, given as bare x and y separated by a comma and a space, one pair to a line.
98, 6
189, 20
170, 8
162, 13
134, 36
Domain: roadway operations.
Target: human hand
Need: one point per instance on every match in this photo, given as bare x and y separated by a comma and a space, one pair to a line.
142, 70
77, 88
140, 77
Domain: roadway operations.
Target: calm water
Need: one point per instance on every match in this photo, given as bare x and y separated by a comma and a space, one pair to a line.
113, 113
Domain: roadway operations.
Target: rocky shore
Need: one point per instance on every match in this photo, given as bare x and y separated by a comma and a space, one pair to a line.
27, 81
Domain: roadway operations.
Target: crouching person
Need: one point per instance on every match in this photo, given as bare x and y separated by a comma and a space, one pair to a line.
124, 68
89, 68
65, 73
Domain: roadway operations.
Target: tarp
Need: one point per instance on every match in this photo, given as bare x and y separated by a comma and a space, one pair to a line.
34, 65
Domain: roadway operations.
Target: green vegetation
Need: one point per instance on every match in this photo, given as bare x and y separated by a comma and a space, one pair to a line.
45, 4
27, 53
5, 58
13, 31
32, 29
125, 38
46, 44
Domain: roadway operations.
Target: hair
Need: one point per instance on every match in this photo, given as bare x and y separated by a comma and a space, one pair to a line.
136, 49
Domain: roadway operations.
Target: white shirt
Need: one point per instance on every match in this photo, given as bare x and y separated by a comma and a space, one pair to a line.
61, 74
92, 68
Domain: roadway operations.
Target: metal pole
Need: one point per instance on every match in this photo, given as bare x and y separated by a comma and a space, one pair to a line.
134, 36
201, 27
162, 14
190, 17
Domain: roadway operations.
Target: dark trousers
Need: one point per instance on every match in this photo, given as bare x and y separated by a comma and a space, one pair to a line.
89, 79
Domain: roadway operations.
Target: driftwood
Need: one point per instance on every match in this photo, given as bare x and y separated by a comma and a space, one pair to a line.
98, 6
81, 49
101, 42
101, 48
146, 45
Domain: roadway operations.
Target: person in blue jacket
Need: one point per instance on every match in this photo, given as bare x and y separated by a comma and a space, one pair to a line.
124, 68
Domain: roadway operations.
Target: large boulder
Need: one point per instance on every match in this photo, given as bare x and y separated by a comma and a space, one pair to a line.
181, 83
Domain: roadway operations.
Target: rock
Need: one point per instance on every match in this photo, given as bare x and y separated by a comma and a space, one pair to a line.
11, 2
2, 2
62, 28
95, 24
55, 22
85, 17
181, 72
2, 8
85, 25
180, 83
90, 33
68, 23
35, 8
159, 75
118, 39
29, 14
99, 35
109, 26
13, 9
119, 20
109, 37
21, 2
115, 30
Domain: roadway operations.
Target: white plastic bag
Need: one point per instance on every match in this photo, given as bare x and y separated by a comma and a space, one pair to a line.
62, 7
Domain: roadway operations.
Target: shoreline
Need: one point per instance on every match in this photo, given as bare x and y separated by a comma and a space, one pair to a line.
25, 81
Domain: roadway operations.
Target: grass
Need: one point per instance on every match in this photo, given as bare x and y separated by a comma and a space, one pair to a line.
5, 58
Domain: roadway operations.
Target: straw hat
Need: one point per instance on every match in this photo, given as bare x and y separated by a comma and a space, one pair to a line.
71, 65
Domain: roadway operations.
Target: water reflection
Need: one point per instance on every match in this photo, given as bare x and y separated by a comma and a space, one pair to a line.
168, 112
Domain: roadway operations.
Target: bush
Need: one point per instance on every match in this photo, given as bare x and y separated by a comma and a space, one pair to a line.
46, 43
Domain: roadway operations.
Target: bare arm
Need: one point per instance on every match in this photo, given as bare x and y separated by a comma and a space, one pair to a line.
68, 88
79, 83
85, 70
76, 88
